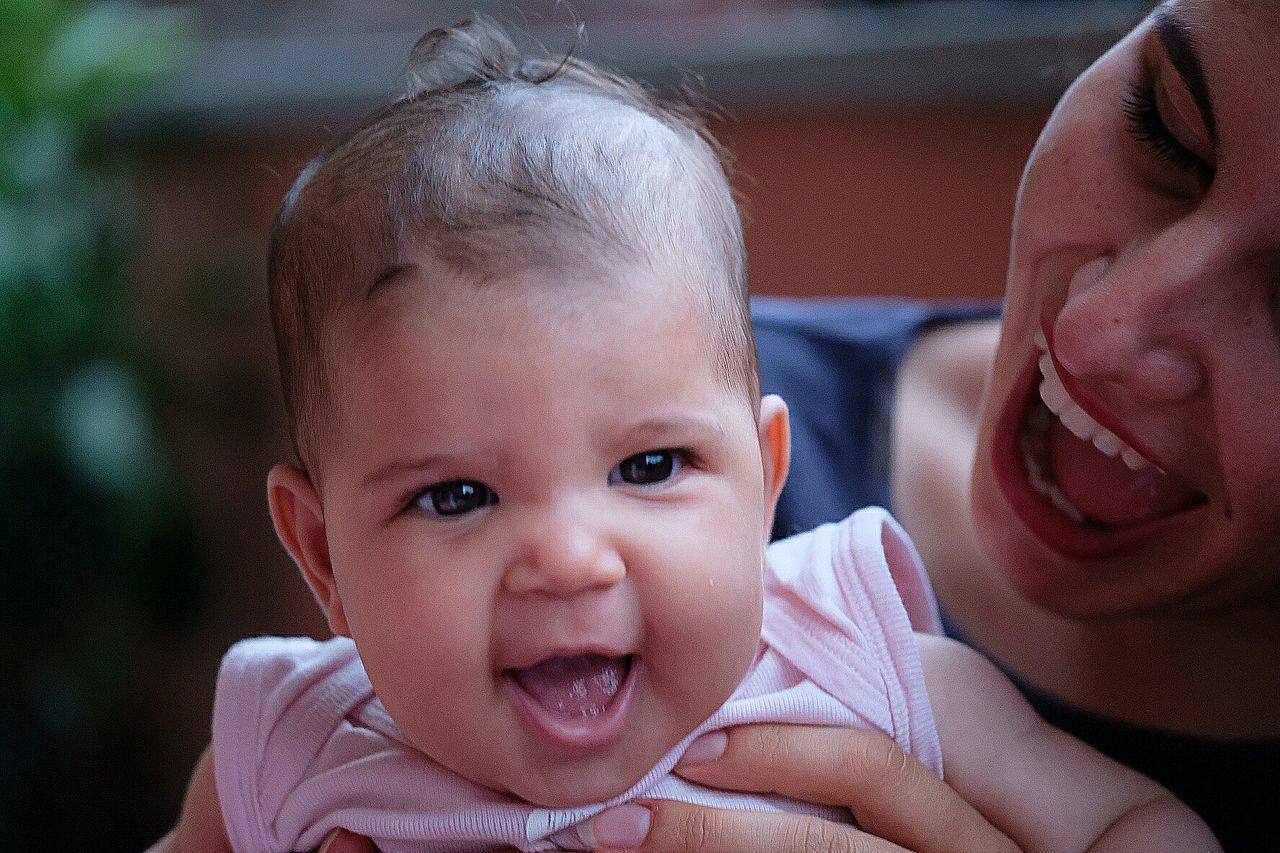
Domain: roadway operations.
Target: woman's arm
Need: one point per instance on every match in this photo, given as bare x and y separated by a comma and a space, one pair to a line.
200, 825
1046, 789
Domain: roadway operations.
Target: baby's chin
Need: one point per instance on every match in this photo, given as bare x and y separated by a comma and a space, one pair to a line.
568, 795
593, 776
585, 780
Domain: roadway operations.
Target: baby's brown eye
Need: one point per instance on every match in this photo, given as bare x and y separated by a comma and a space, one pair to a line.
652, 466
456, 497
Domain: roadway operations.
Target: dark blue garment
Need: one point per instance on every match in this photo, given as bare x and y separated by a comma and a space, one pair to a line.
836, 363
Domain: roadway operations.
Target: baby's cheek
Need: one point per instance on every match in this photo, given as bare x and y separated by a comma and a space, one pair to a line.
426, 672
708, 637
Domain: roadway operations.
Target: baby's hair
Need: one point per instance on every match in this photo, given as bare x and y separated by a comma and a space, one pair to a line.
489, 162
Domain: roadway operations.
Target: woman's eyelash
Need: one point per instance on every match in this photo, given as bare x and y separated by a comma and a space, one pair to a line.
1147, 126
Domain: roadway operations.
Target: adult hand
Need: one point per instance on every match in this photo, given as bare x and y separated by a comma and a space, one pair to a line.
898, 802
345, 841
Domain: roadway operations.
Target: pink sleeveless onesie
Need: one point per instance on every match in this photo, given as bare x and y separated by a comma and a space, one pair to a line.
302, 744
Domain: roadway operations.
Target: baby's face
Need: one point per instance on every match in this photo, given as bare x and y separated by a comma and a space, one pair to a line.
546, 518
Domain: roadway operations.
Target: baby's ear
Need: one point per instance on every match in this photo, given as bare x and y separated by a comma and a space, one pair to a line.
775, 450
298, 516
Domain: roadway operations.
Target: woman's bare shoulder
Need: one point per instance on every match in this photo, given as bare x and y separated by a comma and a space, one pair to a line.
936, 412
947, 366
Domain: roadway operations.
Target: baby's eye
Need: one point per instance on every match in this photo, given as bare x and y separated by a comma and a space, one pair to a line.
652, 466
455, 497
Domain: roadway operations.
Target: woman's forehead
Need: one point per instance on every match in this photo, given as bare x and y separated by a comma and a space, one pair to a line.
1234, 49
1244, 30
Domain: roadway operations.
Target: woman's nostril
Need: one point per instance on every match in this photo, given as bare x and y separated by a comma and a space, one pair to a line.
1166, 375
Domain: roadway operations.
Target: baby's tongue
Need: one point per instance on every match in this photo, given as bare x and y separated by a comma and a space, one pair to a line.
573, 687
1104, 488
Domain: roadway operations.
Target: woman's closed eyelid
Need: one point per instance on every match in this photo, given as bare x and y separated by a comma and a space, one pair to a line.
1179, 52
1147, 125
1183, 117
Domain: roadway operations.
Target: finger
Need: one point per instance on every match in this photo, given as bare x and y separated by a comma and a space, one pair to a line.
344, 841
676, 826
891, 794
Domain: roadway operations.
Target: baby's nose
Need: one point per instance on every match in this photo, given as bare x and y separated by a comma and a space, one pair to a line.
569, 553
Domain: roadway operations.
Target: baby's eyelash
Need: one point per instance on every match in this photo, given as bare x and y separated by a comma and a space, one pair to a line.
1147, 126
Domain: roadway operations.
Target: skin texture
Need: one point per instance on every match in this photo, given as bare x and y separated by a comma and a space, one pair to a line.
571, 558
1158, 290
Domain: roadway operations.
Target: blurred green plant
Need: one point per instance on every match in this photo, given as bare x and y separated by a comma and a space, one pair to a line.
95, 538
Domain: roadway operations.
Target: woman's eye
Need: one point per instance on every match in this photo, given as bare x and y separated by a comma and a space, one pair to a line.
643, 469
1147, 126
456, 497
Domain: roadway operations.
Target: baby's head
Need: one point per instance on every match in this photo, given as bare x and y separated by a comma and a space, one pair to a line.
538, 476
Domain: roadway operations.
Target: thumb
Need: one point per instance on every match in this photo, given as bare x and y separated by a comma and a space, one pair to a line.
344, 841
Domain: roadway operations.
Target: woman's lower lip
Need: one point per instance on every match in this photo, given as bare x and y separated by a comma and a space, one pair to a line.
579, 734
1047, 523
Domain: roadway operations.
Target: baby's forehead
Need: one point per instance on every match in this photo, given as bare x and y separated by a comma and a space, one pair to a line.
570, 287
572, 322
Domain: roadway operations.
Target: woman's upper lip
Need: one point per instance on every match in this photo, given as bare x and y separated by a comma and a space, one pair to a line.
1091, 407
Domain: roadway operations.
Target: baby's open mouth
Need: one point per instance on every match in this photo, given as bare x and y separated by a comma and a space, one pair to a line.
1088, 473
579, 687
576, 701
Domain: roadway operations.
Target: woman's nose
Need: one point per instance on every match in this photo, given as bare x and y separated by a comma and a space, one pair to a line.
1138, 324
565, 552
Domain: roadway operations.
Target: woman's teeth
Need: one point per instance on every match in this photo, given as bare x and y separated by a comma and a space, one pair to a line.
1075, 419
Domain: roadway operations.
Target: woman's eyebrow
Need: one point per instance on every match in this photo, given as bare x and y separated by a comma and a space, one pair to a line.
1179, 44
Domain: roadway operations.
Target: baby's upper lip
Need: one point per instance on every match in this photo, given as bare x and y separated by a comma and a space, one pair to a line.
536, 654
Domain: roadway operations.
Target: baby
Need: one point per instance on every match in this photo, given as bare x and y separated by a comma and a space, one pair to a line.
537, 481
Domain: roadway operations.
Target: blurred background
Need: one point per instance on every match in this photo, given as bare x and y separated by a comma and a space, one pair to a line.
144, 148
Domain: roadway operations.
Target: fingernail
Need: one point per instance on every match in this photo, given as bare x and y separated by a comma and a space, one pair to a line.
328, 841
623, 826
709, 747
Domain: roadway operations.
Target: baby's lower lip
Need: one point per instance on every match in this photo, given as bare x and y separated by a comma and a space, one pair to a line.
590, 718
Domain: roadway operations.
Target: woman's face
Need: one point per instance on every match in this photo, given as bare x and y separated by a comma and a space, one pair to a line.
1143, 306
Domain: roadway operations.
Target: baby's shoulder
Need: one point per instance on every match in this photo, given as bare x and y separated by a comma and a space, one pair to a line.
262, 680
286, 654
864, 565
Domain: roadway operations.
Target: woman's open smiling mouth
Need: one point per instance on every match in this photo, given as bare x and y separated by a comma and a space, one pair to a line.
1082, 490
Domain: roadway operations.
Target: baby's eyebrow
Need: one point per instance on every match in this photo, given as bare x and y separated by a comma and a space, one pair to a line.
387, 277
1178, 40
676, 424
397, 468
